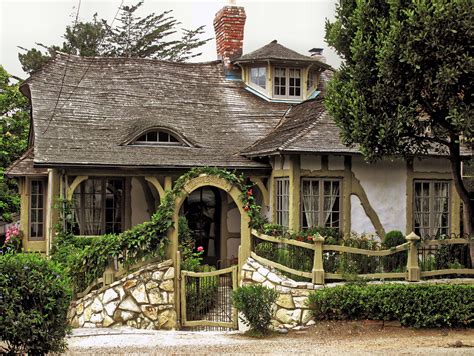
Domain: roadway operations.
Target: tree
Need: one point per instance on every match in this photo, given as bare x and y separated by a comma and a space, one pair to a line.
14, 124
405, 87
132, 36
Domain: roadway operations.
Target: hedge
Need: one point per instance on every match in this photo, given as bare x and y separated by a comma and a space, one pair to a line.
34, 299
422, 305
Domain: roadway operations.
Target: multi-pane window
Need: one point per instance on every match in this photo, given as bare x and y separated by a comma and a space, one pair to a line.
37, 196
312, 80
287, 82
282, 203
258, 76
320, 203
99, 206
157, 137
431, 208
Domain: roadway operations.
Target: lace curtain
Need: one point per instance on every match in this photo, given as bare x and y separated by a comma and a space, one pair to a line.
310, 202
329, 202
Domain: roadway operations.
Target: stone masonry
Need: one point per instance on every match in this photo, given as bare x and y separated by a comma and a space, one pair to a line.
143, 300
291, 310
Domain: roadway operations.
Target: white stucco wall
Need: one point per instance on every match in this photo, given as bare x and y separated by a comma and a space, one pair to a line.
310, 162
138, 204
281, 162
233, 220
360, 222
385, 186
432, 165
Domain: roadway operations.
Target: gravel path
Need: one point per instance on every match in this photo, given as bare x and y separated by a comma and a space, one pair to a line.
331, 338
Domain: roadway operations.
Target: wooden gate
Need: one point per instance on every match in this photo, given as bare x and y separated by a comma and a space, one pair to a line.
206, 298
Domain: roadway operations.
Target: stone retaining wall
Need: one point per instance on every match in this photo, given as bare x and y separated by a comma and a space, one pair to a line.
291, 309
143, 300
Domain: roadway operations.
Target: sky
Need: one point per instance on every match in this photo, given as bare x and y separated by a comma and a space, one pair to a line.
296, 24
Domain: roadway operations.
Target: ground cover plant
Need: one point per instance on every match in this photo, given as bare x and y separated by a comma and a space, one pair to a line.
417, 305
34, 299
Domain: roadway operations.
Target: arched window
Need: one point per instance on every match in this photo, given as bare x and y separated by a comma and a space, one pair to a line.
157, 137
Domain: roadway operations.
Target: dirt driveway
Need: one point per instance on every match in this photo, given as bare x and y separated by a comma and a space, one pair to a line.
331, 338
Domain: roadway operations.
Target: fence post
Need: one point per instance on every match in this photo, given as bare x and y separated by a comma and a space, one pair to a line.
318, 268
413, 270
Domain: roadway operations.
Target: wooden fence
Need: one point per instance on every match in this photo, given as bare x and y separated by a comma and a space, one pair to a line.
315, 256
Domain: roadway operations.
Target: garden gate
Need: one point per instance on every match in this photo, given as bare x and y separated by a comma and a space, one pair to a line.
206, 299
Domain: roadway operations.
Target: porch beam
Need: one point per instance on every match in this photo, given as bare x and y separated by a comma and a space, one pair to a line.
156, 183
266, 195
75, 183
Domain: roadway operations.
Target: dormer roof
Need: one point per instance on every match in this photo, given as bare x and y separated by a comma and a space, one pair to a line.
277, 52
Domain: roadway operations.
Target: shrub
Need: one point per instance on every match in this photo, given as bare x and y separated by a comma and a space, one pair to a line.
255, 302
397, 261
34, 299
422, 305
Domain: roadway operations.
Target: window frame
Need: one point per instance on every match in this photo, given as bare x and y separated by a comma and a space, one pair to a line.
42, 182
287, 85
321, 196
280, 211
103, 223
431, 204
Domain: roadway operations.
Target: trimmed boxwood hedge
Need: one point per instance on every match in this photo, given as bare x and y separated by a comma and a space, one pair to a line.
421, 305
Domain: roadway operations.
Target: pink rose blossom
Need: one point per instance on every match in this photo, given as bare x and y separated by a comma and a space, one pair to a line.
200, 249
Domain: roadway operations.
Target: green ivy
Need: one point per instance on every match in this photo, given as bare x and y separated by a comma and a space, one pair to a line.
85, 262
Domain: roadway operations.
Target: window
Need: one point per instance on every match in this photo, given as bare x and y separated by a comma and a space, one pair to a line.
258, 76
320, 203
157, 137
282, 186
312, 80
99, 206
431, 208
287, 82
37, 196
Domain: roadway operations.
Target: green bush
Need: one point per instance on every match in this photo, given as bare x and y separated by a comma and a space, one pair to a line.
397, 261
34, 299
255, 302
422, 305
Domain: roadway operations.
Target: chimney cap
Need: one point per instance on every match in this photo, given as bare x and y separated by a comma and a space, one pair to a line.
231, 2
316, 51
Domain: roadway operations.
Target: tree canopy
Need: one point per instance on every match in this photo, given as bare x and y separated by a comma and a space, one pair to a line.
152, 36
405, 87
14, 124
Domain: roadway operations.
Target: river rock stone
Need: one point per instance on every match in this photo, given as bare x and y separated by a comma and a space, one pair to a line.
167, 285
169, 274
285, 301
109, 295
129, 304
139, 293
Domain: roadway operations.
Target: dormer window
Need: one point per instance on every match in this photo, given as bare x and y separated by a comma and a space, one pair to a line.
258, 76
157, 137
287, 83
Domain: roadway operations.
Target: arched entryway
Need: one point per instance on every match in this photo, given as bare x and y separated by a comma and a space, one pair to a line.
203, 298
210, 186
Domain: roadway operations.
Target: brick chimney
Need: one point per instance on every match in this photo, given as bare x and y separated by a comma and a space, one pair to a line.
229, 24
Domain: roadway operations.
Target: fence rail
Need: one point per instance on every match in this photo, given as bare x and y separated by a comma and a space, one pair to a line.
315, 260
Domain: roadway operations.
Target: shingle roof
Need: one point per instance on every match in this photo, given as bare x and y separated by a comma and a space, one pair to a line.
106, 100
306, 127
277, 52
23, 166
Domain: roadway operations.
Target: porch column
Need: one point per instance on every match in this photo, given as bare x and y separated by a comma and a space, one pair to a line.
294, 206
52, 214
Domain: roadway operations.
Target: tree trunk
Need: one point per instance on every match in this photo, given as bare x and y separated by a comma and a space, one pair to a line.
455, 158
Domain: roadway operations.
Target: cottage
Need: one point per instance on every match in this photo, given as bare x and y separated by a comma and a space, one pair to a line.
113, 134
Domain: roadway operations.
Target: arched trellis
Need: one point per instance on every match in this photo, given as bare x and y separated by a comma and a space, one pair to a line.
205, 180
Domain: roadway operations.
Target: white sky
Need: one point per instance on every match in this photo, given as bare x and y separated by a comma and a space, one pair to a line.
298, 25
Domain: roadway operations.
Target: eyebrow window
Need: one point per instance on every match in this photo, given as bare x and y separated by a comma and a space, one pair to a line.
158, 137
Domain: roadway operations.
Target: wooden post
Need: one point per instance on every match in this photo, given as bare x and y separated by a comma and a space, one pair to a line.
318, 268
413, 270
108, 277
177, 288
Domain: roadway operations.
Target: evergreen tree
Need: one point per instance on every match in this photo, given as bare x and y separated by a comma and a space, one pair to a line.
132, 36
14, 124
405, 87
